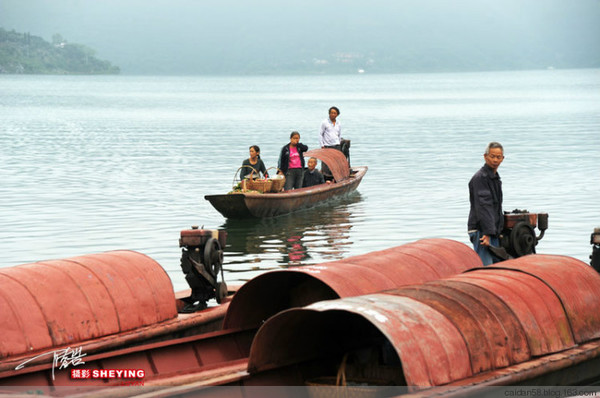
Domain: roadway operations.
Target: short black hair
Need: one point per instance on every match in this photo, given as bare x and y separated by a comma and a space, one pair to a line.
255, 147
294, 133
336, 109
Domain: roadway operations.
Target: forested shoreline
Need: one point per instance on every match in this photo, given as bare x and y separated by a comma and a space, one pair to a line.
23, 53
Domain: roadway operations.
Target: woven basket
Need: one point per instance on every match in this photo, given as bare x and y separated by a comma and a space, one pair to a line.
237, 184
261, 186
278, 184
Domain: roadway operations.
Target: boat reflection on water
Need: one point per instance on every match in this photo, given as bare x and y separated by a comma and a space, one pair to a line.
310, 236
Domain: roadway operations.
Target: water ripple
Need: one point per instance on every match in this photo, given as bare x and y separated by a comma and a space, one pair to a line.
91, 164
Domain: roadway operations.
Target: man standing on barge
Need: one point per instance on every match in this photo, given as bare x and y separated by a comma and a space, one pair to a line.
486, 218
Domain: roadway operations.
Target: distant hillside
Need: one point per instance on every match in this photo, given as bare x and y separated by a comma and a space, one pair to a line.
24, 53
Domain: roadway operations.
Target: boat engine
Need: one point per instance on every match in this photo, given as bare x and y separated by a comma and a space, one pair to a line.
201, 262
595, 256
518, 237
345, 148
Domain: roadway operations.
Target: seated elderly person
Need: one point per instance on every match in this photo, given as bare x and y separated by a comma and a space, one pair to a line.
312, 176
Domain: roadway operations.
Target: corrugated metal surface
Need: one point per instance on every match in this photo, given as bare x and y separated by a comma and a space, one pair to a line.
578, 290
413, 263
447, 330
537, 307
483, 333
491, 330
334, 159
430, 347
59, 302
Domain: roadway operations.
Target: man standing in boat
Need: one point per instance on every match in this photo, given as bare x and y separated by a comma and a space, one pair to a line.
330, 134
486, 219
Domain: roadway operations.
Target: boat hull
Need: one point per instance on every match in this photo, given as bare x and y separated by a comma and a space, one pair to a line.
245, 205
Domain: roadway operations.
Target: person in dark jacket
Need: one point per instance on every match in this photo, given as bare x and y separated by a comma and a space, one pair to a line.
312, 176
253, 163
291, 162
486, 218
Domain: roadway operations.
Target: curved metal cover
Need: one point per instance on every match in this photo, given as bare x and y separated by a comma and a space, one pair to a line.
497, 322
444, 330
334, 159
537, 307
488, 343
430, 348
574, 282
60, 302
413, 263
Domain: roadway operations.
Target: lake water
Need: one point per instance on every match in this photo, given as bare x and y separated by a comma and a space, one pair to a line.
90, 164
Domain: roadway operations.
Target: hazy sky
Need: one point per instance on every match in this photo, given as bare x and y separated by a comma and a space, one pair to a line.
233, 36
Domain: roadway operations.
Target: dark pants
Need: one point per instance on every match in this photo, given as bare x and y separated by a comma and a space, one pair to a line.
483, 252
293, 179
324, 169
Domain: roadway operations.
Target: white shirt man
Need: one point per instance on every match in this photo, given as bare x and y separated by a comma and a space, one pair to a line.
330, 134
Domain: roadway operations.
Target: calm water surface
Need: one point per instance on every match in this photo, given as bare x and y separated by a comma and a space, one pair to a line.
90, 164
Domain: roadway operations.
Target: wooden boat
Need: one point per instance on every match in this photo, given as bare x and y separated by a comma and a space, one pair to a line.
253, 204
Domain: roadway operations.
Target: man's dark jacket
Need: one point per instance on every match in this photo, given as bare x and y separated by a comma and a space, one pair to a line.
312, 179
485, 195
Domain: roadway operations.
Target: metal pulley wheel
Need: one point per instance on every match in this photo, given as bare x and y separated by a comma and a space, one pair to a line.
213, 257
522, 239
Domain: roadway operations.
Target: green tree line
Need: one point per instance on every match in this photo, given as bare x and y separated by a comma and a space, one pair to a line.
28, 54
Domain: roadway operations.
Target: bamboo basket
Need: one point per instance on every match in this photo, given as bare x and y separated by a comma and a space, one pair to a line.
237, 183
278, 183
261, 186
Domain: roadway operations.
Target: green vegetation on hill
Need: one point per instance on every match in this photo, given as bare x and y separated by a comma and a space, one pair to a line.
24, 53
